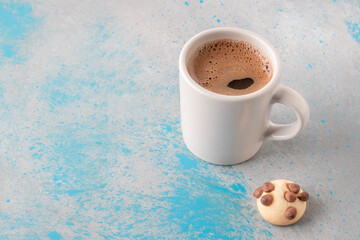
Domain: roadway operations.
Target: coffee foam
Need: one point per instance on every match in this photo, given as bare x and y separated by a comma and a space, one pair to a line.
215, 64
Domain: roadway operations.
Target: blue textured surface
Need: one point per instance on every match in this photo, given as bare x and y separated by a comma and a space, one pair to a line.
90, 138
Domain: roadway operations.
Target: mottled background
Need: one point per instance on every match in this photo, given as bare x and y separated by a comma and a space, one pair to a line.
90, 138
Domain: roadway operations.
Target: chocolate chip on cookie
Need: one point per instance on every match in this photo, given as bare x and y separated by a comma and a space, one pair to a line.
258, 192
293, 187
304, 196
268, 187
290, 197
290, 213
266, 200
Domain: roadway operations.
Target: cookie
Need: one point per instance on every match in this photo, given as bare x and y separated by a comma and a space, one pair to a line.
281, 202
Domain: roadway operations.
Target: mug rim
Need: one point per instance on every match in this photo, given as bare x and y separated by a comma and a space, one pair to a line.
188, 48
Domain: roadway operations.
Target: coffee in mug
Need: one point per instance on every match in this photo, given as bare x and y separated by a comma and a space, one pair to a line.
230, 67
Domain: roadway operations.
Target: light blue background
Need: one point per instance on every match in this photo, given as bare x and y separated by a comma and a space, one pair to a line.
90, 138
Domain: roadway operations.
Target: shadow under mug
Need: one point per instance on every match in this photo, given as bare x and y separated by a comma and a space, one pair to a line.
227, 130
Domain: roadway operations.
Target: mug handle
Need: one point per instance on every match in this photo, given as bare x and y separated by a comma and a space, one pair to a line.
293, 99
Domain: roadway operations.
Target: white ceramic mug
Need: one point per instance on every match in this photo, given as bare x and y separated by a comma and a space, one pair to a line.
227, 130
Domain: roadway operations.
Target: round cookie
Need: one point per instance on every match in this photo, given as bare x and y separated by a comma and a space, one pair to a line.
281, 202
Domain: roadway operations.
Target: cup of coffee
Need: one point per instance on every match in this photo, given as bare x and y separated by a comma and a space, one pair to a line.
229, 79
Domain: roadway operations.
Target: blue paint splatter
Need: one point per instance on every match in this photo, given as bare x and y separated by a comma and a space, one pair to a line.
309, 65
201, 205
55, 236
320, 41
74, 192
15, 22
166, 127
218, 20
354, 30
126, 151
8, 50
187, 161
201, 1
187, 3
322, 121
238, 187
